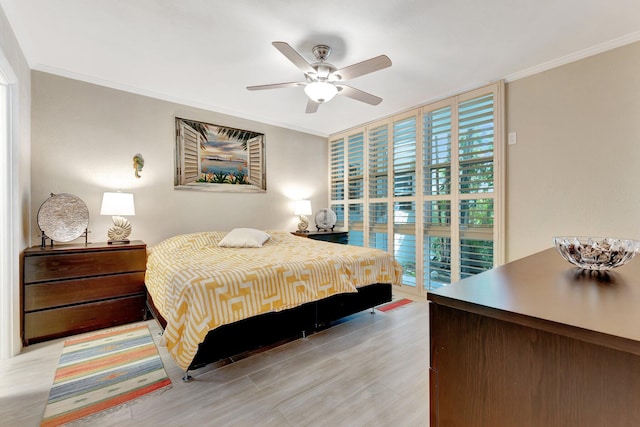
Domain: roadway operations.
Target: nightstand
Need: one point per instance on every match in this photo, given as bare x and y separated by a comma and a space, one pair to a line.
73, 288
327, 236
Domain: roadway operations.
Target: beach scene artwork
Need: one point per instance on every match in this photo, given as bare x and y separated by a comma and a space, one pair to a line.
218, 158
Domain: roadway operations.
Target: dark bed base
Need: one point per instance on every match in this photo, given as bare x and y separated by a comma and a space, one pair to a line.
269, 328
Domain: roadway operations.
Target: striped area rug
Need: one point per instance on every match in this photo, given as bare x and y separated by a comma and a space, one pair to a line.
102, 371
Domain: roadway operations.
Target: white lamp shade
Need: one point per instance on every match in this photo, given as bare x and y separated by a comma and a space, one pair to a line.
117, 204
320, 92
303, 207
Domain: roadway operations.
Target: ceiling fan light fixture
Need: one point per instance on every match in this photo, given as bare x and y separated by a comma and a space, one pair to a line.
320, 92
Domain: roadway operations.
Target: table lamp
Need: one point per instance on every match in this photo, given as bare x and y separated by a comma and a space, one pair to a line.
117, 205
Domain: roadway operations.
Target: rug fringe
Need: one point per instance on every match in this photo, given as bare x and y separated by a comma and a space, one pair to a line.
109, 411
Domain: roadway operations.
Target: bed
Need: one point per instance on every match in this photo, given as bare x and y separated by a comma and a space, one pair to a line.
214, 301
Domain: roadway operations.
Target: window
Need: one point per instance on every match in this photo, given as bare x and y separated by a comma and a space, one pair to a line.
424, 185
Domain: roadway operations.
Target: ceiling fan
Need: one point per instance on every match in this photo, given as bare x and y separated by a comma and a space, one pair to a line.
323, 80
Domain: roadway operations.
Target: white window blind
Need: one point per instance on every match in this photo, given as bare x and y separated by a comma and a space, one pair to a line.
475, 144
437, 243
437, 151
476, 132
437, 165
425, 186
404, 157
404, 240
337, 194
356, 224
336, 167
379, 162
476, 236
356, 165
378, 220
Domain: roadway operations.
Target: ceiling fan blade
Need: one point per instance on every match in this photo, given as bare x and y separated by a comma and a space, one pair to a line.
362, 68
293, 56
312, 106
275, 86
358, 95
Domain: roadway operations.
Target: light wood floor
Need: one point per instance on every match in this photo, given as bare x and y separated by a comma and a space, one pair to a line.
369, 370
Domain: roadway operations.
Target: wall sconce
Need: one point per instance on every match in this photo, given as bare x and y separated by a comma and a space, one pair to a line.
303, 207
116, 205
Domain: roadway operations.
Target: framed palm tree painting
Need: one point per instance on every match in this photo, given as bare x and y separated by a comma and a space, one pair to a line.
218, 158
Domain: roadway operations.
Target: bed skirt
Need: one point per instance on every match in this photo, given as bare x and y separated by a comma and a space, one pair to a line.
269, 328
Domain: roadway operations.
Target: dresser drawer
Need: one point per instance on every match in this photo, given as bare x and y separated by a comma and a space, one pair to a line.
38, 296
64, 321
82, 264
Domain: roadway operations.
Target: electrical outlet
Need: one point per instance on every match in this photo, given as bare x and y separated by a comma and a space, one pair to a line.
513, 138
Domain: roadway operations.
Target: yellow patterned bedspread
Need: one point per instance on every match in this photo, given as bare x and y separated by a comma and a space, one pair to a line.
197, 285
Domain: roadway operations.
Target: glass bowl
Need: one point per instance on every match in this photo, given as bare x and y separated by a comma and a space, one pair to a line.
596, 253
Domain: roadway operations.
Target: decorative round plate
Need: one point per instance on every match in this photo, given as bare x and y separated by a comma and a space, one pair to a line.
325, 219
63, 217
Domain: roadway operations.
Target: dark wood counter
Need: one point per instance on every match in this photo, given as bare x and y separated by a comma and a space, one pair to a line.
537, 342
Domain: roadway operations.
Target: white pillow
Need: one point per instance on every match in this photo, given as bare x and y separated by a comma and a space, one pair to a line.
244, 238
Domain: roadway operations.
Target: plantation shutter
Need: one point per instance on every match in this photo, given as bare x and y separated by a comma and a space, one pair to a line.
476, 135
404, 189
378, 172
356, 188
255, 156
337, 194
404, 157
404, 239
188, 147
437, 151
336, 166
356, 224
379, 162
436, 229
378, 219
427, 185
356, 165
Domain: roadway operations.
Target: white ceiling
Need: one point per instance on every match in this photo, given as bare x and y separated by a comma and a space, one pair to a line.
204, 53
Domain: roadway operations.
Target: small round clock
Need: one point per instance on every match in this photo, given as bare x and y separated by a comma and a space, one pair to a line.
325, 219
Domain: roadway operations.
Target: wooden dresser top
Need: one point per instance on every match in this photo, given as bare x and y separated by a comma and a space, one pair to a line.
79, 247
545, 291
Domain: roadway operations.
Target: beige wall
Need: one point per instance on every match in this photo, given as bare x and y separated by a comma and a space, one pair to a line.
575, 169
15, 239
84, 137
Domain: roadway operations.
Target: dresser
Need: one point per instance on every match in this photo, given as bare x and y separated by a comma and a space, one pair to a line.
74, 288
537, 342
336, 236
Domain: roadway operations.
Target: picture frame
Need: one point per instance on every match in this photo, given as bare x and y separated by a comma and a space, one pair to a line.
211, 157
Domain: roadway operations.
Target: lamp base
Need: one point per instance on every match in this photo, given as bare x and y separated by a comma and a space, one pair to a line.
120, 231
118, 242
303, 225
